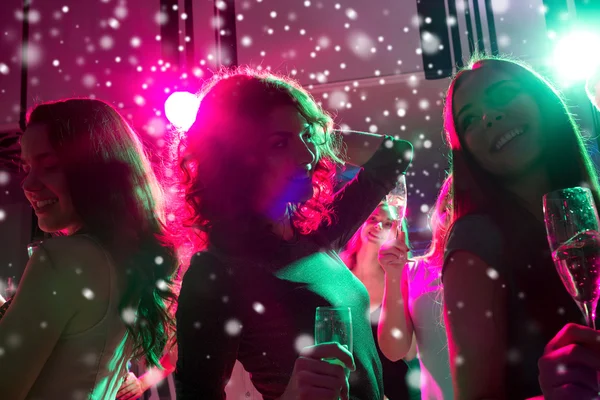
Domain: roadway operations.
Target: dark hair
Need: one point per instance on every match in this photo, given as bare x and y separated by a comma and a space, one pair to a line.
565, 158
220, 172
118, 198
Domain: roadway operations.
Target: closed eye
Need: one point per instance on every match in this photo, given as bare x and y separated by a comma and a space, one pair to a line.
467, 121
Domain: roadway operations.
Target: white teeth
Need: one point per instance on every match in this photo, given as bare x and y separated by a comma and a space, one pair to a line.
507, 137
43, 203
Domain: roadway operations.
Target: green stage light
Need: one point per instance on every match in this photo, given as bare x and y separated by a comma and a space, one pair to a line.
576, 57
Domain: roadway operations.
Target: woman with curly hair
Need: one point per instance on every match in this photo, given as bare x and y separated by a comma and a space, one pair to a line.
259, 171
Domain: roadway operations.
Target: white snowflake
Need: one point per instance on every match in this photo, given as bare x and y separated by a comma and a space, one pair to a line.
396, 333
413, 379
303, 341
88, 293
500, 6
233, 327
258, 307
492, 273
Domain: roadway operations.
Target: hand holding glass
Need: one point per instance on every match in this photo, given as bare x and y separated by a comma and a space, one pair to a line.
334, 324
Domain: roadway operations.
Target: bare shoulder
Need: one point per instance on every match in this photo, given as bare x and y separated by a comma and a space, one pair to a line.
78, 252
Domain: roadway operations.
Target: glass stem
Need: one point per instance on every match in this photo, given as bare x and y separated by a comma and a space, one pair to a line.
590, 314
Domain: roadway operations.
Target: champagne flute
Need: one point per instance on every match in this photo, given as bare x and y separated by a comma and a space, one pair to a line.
334, 324
397, 198
572, 226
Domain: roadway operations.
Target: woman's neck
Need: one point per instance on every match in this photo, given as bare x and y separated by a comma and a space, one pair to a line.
367, 265
531, 189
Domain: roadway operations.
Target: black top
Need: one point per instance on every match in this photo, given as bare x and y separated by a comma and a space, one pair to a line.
262, 313
394, 372
538, 303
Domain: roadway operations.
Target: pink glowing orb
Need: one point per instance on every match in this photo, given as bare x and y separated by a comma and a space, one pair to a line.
181, 109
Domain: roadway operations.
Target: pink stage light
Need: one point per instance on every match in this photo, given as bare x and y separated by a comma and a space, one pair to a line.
181, 109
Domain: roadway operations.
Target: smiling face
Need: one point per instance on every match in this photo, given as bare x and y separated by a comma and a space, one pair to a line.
288, 158
498, 121
379, 225
45, 184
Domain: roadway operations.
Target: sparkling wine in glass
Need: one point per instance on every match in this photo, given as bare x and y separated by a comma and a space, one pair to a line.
334, 324
573, 229
397, 198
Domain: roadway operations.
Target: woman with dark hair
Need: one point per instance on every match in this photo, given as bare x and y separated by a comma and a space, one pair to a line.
95, 295
259, 170
412, 307
512, 140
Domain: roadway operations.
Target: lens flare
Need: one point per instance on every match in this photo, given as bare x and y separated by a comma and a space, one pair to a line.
181, 109
576, 56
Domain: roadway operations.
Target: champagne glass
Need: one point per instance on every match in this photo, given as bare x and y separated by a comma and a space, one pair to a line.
334, 324
397, 198
572, 225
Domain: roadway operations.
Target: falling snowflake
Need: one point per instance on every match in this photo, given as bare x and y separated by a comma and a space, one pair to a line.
246, 41
500, 6
2, 215
459, 360
43, 325
88, 81
258, 307
360, 44
303, 341
233, 327
162, 285
129, 315
351, 14
13, 340
430, 43
158, 260
106, 42
4, 70
161, 18
396, 333
88, 293
413, 379
492, 273
561, 369
135, 41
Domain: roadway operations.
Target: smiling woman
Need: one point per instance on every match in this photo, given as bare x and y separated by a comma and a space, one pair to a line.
97, 296
512, 139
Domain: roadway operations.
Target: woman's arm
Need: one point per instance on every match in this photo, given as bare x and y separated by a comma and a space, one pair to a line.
135, 387
357, 199
395, 330
475, 315
208, 330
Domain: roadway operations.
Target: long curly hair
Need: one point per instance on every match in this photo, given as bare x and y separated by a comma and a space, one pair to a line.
116, 194
218, 171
